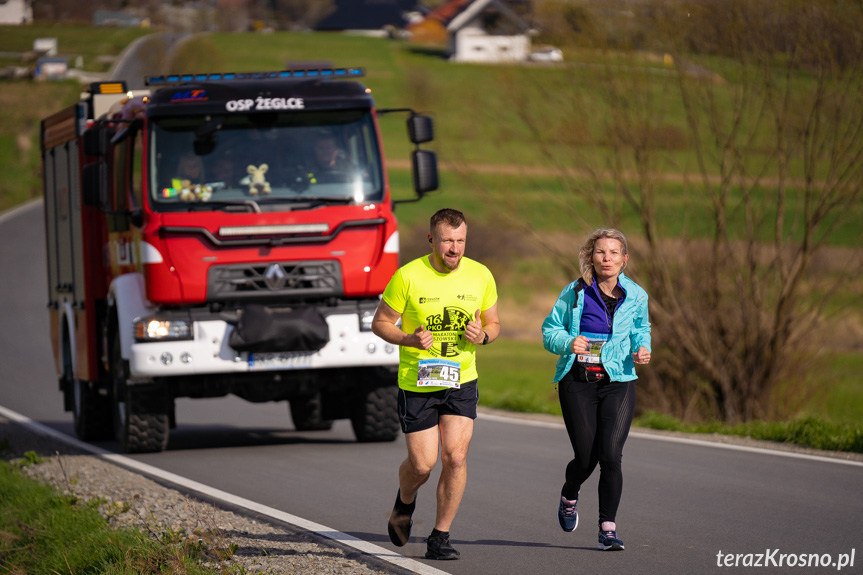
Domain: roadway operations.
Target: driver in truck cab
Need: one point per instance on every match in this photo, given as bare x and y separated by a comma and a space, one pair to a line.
329, 161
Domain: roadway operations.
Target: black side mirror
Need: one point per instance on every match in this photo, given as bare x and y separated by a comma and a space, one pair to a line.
95, 142
94, 180
425, 173
420, 129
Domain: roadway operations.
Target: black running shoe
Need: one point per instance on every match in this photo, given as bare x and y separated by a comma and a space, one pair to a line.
399, 526
567, 514
439, 547
609, 541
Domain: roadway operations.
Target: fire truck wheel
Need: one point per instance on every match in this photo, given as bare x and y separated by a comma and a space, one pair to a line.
140, 424
91, 411
306, 413
376, 417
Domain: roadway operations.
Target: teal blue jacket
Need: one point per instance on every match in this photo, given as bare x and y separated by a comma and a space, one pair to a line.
630, 330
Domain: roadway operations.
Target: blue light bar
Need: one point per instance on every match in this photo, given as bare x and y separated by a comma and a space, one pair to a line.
298, 73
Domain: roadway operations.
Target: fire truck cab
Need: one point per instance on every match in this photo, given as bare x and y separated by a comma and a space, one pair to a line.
223, 234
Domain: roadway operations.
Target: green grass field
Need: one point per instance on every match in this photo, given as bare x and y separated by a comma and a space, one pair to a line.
482, 117
43, 531
91, 44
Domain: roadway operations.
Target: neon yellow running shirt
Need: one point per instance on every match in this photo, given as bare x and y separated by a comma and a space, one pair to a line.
443, 303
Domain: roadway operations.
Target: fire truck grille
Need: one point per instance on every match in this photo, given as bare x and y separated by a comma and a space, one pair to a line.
274, 279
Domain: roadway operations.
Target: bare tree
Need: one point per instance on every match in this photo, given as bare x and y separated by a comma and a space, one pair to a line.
302, 14
779, 159
233, 15
775, 156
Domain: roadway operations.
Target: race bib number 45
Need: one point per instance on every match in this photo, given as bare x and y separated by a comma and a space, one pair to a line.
439, 373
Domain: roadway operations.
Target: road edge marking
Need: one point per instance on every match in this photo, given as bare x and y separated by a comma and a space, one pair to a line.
344, 539
15, 210
684, 440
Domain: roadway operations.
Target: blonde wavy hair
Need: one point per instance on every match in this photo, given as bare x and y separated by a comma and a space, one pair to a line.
585, 254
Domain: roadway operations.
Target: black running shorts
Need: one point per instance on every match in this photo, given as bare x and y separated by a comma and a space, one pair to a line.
422, 410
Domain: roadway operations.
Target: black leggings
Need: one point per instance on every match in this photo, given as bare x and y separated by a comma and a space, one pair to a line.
597, 418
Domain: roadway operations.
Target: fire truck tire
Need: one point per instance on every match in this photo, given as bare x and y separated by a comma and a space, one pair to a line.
376, 417
137, 425
306, 413
91, 413
137, 430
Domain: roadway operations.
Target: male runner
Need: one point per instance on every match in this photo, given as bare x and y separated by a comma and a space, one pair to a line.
447, 304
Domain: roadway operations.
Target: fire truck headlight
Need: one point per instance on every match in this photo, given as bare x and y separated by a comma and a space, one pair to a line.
151, 329
366, 317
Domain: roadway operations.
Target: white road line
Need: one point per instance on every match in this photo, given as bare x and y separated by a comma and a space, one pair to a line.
13, 212
371, 549
685, 440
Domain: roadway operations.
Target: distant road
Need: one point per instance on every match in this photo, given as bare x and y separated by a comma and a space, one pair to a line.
683, 503
146, 56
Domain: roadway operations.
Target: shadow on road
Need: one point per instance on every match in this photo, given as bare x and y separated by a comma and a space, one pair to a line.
420, 540
16, 439
208, 437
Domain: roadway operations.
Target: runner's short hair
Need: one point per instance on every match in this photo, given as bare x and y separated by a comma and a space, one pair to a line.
448, 216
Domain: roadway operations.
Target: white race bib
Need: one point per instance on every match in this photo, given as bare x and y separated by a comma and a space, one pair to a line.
439, 373
594, 352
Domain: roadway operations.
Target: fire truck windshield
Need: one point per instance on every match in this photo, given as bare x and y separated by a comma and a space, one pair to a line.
270, 159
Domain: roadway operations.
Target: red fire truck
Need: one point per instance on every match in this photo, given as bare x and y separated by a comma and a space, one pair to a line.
223, 234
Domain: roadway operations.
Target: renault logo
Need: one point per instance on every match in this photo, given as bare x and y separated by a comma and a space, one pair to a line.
275, 277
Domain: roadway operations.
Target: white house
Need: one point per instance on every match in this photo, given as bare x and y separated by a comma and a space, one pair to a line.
488, 31
45, 46
16, 12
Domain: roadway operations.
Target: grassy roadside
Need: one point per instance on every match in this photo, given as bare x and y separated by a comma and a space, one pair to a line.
812, 432
95, 47
516, 376
42, 531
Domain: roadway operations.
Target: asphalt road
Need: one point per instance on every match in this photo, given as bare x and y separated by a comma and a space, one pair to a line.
683, 503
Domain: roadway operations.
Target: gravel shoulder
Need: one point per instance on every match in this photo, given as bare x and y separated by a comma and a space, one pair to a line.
129, 499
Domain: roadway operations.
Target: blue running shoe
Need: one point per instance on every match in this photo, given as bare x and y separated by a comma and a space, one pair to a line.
567, 514
609, 541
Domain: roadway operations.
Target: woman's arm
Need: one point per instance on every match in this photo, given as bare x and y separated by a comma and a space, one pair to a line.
640, 335
555, 329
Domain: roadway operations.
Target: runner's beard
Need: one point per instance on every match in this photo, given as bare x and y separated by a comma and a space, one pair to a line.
449, 265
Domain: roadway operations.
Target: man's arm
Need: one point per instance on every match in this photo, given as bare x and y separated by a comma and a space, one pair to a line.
486, 322
384, 326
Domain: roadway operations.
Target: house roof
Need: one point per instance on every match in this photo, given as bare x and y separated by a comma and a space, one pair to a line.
476, 7
456, 13
445, 12
367, 15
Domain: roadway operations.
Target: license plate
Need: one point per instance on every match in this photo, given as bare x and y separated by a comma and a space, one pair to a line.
280, 360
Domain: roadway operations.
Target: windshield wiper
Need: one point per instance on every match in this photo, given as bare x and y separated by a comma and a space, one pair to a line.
308, 199
227, 205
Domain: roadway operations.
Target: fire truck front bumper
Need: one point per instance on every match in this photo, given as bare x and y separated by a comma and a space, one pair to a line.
208, 352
